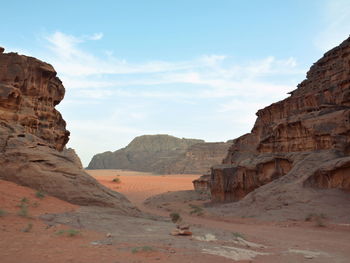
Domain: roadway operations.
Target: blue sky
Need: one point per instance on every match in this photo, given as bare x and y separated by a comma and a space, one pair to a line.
196, 69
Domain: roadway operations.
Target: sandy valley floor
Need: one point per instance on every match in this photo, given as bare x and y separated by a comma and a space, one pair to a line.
68, 233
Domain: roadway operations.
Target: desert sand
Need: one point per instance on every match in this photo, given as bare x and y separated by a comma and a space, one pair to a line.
56, 231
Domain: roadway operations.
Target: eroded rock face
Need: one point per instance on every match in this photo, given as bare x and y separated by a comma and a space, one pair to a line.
202, 184
72, 156
314, 119
33, 135
29, 91
198, 158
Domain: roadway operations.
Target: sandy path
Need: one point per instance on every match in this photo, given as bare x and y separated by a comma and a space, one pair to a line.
28, 239
138, 186
286, 240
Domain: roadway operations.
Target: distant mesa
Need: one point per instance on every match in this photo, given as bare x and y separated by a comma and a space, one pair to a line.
163, 154
33, 136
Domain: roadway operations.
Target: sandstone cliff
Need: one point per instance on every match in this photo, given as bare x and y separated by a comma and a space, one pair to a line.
162, 154
33, 135
296, 146
198, 158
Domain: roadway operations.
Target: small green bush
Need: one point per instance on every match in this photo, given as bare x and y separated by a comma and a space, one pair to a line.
72, 232
2, 212
142, 249
69, 232
196, 210
116, 180
237, 235
40, 194
23, 210
175, 217
24, 200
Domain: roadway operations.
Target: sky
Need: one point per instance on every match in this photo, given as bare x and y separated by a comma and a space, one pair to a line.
188, 68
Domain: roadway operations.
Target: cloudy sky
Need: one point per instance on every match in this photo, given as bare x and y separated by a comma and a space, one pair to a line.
189, 68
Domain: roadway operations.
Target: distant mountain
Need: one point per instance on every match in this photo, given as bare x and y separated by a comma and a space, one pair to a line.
162, 154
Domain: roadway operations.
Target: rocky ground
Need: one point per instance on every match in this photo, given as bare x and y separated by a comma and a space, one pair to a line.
38, 228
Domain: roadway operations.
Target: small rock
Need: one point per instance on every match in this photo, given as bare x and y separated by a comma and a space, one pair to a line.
108, 235
308, 257
179, 232
183, 226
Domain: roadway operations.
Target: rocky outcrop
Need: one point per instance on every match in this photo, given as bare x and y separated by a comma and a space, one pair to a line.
33, 135
72, 156
297, 143
198, 158
202, 184
163, 154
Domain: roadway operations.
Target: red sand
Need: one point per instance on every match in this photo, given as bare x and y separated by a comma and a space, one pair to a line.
138, 186
43, 244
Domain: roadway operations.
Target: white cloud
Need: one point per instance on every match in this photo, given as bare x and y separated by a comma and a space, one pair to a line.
96, 36
337, 20
120, 100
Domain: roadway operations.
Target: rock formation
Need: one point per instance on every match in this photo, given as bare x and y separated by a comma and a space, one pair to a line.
72, 155
198, 158
33, 135
202, 184
297, 145
162, 154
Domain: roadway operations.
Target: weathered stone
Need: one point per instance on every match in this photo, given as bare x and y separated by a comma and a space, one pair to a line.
179, 232
33, 135
202, 184
72, 156
315, 119
183, 226
198, 158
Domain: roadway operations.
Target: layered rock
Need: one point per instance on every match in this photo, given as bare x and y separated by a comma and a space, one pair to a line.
162, 154
198, 158
202, 184
33, 135
297, 143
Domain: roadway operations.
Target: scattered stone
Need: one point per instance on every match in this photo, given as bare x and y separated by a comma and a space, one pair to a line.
102, 242
234, 253
308, 257
179, 232
241, 241
183, 226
